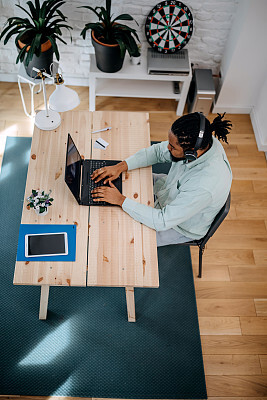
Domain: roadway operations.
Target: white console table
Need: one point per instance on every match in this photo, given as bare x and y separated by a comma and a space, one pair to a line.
134, 81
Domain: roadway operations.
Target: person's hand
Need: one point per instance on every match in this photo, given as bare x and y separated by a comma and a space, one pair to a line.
110, 194
110, 173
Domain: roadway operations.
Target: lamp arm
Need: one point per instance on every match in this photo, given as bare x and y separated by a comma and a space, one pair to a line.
42, 75
45, 98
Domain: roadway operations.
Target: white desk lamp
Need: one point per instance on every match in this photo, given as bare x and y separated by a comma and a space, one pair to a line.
63, 98
46, 119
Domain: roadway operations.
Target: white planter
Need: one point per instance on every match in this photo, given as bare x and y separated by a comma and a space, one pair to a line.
136, 60
41, 214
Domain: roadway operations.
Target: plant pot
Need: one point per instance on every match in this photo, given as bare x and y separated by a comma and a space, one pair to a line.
136, 60
108, 56
42, 62
39, 213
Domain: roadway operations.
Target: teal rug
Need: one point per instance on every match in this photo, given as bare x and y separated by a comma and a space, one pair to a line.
86, 347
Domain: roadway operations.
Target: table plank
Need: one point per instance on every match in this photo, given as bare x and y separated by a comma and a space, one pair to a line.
46, 171
122, 252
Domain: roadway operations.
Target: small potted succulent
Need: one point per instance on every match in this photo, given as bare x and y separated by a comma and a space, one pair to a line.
36, 36
110, 38
136, 57
39, 201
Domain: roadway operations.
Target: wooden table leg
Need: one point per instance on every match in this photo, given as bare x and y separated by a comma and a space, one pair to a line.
44, 301
130, 303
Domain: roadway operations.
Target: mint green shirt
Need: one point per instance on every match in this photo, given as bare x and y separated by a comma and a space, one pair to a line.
189, 197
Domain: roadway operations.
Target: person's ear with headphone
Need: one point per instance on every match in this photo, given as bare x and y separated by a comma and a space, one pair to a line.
191, 135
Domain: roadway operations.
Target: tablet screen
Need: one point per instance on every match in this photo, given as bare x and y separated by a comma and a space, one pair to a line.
46, 244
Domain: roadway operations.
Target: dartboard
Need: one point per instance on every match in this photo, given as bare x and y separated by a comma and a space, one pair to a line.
169, 26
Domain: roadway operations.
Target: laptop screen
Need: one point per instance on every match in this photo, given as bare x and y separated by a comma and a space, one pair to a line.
73, 169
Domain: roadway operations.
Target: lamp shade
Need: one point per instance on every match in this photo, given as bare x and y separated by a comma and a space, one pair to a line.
63, 99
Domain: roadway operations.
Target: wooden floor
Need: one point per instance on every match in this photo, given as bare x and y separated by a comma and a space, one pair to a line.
232, 295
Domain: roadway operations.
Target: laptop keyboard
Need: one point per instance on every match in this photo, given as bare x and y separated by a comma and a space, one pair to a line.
95, 164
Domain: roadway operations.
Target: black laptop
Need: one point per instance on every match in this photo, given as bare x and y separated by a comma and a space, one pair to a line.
78, 176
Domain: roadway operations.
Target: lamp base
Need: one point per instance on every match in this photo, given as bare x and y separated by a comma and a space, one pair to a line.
47, 123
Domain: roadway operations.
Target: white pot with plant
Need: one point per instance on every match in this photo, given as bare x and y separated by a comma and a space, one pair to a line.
39, 201
136, 56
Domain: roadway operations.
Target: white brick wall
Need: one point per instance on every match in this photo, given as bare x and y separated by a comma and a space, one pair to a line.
212, 23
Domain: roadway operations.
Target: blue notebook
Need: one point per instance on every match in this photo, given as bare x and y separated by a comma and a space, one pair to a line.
26, 229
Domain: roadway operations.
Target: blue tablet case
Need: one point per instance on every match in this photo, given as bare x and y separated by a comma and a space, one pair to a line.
26, 229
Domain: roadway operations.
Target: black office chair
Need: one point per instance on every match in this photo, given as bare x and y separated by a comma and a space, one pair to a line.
201, 243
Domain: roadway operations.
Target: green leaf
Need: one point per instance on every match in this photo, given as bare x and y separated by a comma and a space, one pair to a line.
34, 49
21, 54
37, 6
11, 33
24, 9
124, 17
128, 40
122, 46
53, 9
54, 46
97, 27
60, 39
62, 15
33, 10
104, 16
126, 28
9, 28
108, 7
42, 13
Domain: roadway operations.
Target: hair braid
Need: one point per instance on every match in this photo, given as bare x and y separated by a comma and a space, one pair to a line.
221, 128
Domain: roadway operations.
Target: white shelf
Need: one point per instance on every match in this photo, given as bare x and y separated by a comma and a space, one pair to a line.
136, 88
134, 81
130, 71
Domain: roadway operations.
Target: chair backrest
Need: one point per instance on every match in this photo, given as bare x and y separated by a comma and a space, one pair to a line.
217, 221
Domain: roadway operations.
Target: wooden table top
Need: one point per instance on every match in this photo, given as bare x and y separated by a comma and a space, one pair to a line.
121, 252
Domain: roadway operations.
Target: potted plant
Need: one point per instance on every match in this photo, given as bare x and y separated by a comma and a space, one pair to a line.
110, 38
39, 201
136, 57
36, 37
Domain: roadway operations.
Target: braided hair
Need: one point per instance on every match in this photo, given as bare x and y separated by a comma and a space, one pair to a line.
186, 129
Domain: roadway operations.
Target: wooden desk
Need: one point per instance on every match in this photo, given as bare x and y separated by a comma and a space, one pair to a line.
121, 252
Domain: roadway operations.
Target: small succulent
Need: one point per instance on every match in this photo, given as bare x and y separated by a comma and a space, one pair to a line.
39, 200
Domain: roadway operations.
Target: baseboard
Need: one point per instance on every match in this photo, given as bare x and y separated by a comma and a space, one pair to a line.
69, 79
231, 110
8, 77
261, 142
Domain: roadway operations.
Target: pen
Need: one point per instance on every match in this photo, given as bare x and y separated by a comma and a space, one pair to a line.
102, 130
100, 143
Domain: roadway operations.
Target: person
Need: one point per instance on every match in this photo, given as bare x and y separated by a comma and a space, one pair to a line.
189, 197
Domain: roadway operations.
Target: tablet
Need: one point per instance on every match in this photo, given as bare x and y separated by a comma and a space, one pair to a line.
46, 244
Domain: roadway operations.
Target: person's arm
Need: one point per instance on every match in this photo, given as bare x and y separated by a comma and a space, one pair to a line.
157, 153
184, 207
